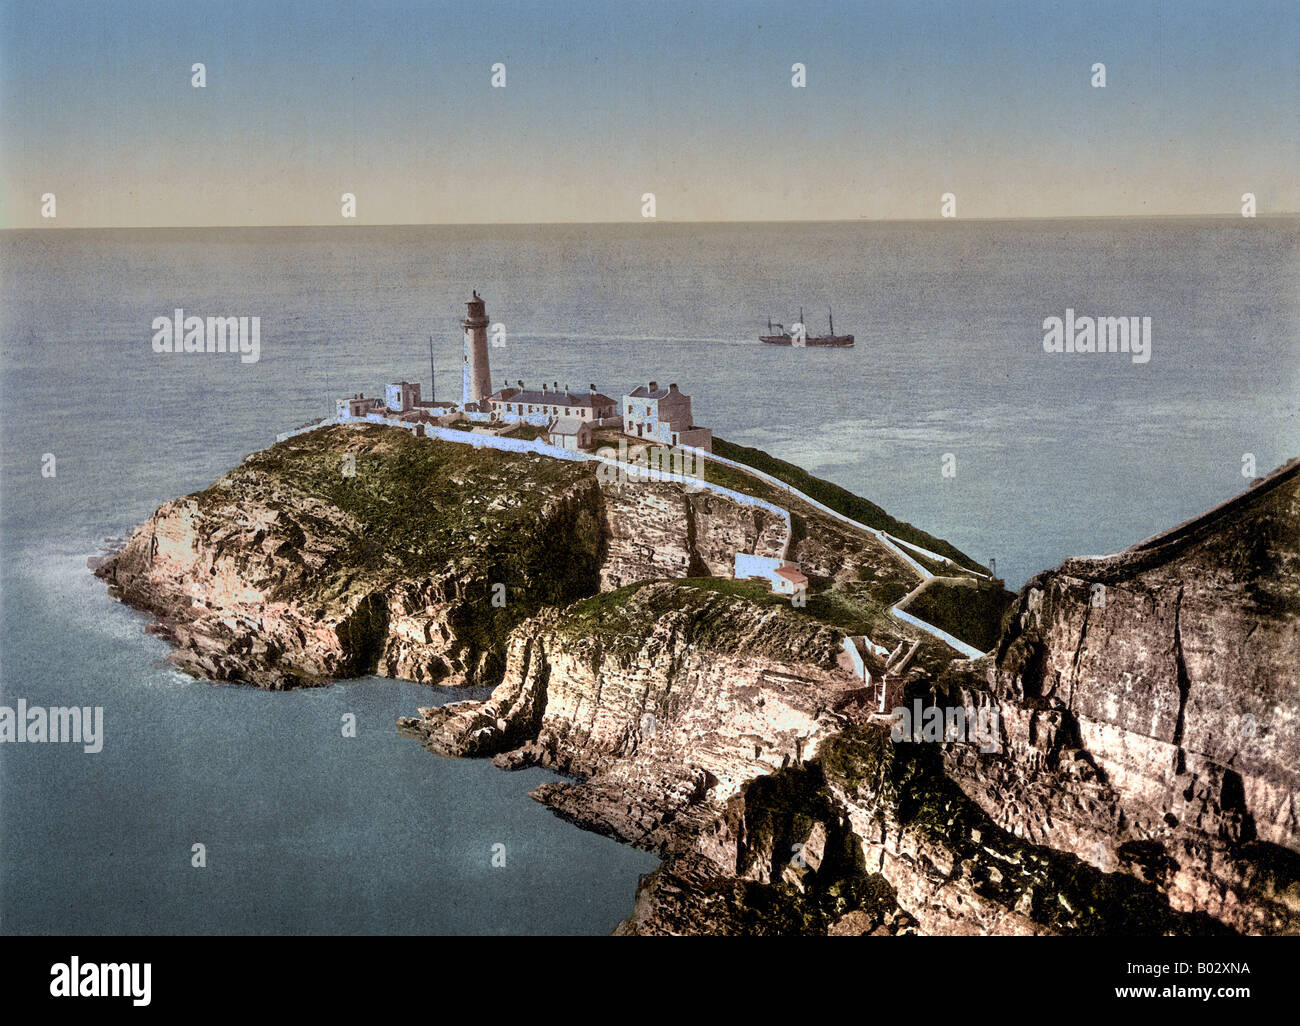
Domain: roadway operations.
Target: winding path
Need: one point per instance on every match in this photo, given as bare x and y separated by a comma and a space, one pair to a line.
638, 471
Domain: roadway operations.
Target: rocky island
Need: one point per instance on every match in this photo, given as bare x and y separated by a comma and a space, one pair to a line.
1143, 781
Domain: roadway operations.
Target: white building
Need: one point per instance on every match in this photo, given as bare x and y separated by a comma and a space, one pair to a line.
541, 407
782, 575
354, 406
787, 580
570, 433
402, 396
663, 415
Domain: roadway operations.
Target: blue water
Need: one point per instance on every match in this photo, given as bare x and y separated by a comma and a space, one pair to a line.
305, 830
308, 831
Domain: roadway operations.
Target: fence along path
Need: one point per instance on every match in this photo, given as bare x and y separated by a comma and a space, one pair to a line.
894, 544
636, 472
632, 471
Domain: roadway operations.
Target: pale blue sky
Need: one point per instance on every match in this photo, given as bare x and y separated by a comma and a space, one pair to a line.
905, 101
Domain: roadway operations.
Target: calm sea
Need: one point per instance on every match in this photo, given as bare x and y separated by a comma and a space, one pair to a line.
306, 830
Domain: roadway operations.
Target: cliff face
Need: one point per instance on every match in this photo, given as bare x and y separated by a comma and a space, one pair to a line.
1152, 711
1146, 779
656, 682
713, 731
657, 529
349, 551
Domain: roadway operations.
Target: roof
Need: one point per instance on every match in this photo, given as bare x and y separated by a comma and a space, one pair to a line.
791, 574
550, 398
568, 426
643, 392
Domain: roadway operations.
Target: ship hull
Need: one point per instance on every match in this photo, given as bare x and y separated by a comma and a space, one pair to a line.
825, 341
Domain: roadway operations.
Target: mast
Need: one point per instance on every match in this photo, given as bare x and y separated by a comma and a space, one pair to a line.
433, 385
831, 315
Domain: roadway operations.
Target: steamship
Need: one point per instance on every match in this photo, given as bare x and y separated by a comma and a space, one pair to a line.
777, 335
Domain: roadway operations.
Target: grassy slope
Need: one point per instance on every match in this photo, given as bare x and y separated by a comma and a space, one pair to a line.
428, 505
972, 614
839, 499
426, 508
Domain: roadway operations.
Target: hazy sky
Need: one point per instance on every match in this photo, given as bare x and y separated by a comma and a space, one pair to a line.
904, 101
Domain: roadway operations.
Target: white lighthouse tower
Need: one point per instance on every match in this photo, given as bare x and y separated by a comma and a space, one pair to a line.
478, 376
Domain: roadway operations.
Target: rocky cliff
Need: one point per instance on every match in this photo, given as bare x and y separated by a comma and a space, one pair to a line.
1127, 795
1151, 709
354, 550
716, 731
1144, 778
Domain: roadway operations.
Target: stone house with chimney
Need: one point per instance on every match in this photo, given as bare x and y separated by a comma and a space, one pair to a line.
663, 415
542, 406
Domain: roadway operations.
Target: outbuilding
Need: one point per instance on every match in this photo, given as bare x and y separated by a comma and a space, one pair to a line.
570, 433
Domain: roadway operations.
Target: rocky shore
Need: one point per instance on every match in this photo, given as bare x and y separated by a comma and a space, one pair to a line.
1145, 781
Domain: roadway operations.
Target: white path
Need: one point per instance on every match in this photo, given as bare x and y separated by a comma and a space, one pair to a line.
894, 544
636, 472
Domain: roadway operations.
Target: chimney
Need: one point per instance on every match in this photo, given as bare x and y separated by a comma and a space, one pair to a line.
593, 389
673, 387
654, 385
543, 388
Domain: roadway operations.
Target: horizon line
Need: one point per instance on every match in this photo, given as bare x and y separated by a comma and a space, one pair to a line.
660, 220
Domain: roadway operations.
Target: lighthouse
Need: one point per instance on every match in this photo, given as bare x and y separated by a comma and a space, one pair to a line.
478, 375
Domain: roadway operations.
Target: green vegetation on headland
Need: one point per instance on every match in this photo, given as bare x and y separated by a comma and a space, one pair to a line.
965, 608
852, 609
720, 615
740, 618
416, 509
839, 499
